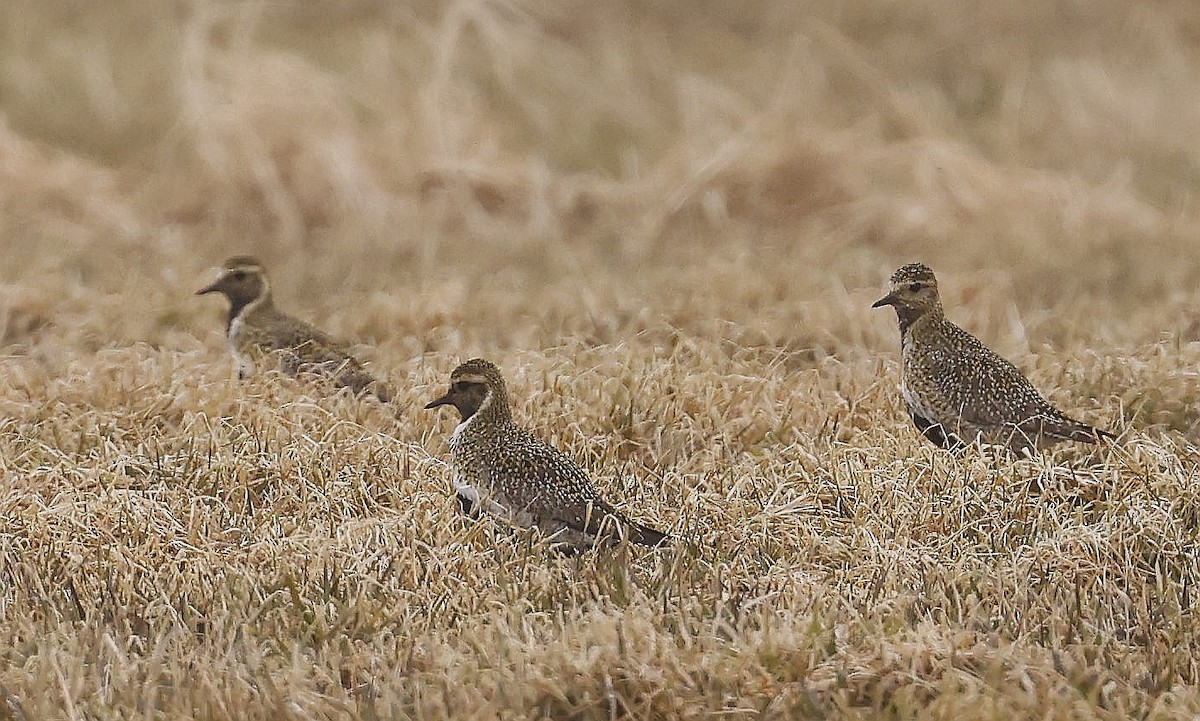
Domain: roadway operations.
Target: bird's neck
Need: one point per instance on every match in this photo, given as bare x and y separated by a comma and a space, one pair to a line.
491, 415
494, 411
243, 307
908, 317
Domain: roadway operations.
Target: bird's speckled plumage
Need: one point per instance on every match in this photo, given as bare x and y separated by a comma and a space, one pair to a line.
959, 391
261, 336
503, 469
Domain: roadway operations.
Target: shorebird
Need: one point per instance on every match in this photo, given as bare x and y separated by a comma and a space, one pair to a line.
261, 336
956, 389
504, 470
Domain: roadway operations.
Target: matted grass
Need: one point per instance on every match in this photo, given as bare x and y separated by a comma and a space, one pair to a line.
666, 222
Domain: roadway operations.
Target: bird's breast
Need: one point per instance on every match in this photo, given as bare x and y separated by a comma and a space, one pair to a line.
458, 431
235, 338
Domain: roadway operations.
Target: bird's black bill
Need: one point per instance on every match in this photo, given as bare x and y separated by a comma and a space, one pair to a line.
209, 289
444, 400
885, 300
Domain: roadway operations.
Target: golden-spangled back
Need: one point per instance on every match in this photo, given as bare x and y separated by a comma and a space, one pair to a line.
503, 469
956, 389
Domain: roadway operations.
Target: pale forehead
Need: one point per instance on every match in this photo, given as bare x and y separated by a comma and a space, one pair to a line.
914, 272
468, 377
476, 370
243, 262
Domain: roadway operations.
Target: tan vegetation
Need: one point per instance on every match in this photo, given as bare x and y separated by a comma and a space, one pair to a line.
666, 222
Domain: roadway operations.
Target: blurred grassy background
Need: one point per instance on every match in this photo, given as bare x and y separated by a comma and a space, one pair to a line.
518, 156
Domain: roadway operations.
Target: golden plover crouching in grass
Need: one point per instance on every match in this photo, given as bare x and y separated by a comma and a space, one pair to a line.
505, 470
261, 336
956, 389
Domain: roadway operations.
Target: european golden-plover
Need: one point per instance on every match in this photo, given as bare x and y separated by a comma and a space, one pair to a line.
261, 336
956, 389
503, 469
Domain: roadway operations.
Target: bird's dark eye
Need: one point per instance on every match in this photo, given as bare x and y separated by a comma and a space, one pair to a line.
459, 386
238, 275
915, 287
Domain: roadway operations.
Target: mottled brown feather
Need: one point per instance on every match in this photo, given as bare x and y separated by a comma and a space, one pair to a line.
529, 480
271, 339
957, 389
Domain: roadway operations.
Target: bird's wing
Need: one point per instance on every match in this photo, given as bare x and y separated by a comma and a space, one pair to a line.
537, 476
305, 349
546, 483
536, 479
308, 343
989, 391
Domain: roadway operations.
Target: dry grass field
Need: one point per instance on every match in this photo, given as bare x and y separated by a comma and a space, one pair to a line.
666, 222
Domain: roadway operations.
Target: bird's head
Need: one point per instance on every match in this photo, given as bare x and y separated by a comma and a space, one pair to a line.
912, 291
474, 385
242, 281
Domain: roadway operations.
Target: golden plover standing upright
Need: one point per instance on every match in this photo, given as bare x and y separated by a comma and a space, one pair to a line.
259, 334
956, 389
505, 470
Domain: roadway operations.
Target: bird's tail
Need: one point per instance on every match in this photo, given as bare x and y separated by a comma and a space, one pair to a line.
1069, 429
644, 535
615, 526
